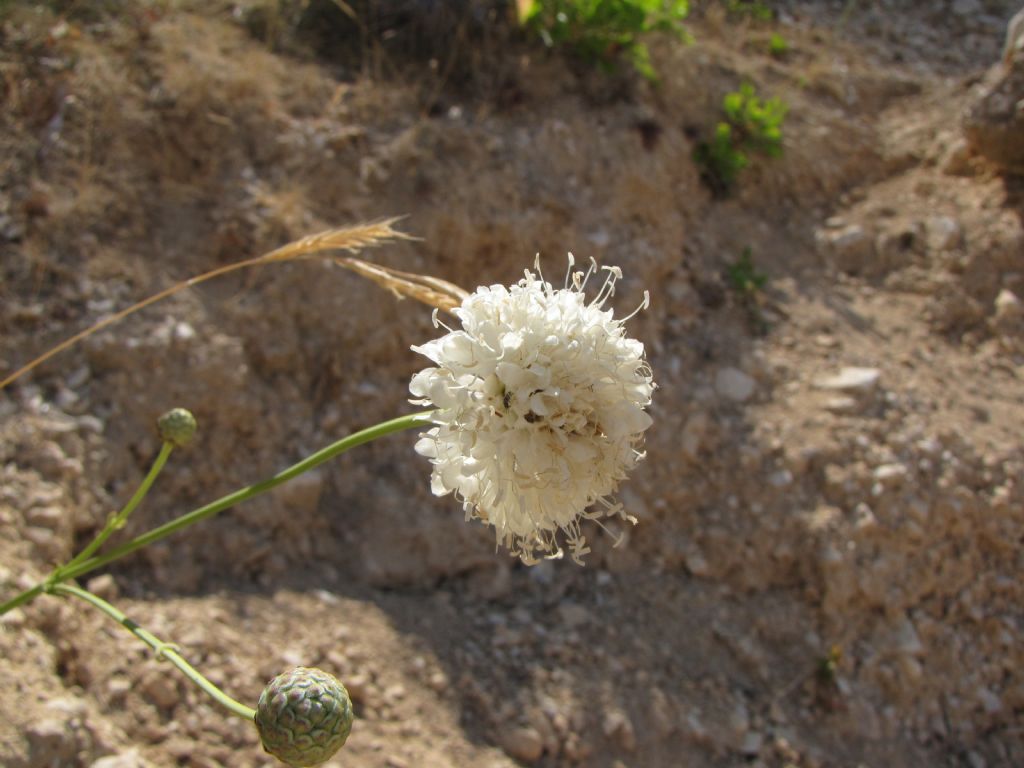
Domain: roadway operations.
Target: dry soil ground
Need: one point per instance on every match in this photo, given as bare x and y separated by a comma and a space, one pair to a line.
825, 572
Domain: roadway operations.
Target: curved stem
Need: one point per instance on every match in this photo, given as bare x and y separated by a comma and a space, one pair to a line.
162, 649
117, 522
243, 494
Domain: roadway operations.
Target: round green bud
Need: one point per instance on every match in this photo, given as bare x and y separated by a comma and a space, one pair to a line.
304, 716
177, 426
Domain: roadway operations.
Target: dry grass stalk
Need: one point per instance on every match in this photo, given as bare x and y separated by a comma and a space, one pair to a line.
435, 292
430, 290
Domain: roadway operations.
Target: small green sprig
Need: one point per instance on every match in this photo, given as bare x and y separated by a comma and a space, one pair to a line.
747, 282
744, 277
750, 125
778, 46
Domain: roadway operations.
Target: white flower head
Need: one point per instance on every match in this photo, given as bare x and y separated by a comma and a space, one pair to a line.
539, 404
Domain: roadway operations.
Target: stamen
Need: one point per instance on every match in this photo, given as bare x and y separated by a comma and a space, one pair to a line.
438, 322
590, 270
643, 305
608, 289
536, 265
568, 271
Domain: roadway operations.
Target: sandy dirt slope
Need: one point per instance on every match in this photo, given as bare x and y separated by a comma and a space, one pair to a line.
826, 569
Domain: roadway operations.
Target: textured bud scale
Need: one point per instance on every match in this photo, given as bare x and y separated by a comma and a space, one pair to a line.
304, 716
177, 426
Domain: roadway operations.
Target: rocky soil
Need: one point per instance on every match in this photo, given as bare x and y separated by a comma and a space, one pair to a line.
827, 565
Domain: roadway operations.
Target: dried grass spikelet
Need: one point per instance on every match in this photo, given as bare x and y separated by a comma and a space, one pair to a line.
430, 290
435, 292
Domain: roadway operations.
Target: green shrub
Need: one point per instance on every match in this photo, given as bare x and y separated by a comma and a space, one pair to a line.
600, 31
750, 125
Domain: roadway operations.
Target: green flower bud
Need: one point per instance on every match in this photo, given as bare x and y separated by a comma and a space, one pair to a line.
304, 716
177, 426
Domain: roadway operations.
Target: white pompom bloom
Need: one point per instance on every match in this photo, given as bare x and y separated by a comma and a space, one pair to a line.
539, 404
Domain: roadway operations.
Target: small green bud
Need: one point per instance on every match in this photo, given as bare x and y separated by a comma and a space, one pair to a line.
177, 426
304, 716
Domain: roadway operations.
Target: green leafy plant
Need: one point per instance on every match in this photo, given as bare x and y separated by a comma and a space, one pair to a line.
601, 31
777, 46
758, 123
750, 125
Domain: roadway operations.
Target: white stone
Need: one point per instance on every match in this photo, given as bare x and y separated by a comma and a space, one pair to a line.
1007, 305
864, 518
69, 706
842, 405
619, 727
734, 384
851, 379
752, 743
129, 759
989, 701
45, 517
956, 160
848, 237
905, 638
696, 563
889, 474
849, 248
944, 233
694, 432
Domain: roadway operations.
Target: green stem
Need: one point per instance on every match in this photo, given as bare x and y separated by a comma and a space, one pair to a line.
162, 649
117, 522
26, 596
324, 454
